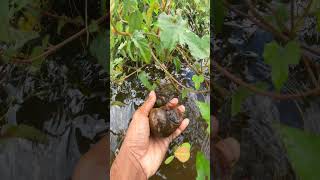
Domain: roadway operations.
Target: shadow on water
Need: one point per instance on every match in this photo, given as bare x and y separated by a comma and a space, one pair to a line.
67, 101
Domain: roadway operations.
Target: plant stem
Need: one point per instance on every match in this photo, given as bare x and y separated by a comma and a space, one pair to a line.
164, 68
312, 92
60, 45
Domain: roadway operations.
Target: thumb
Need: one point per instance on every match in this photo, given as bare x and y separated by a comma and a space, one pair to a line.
148, 104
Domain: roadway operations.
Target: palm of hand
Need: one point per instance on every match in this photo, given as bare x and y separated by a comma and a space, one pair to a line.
150, 151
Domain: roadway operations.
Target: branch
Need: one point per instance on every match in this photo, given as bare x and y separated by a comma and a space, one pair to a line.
60, 45
252, 88
164, 68
266, 26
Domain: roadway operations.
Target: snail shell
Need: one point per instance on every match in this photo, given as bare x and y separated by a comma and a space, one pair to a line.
163, 122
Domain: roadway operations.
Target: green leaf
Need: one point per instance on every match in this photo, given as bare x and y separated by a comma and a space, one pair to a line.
205, 112
4, 19
199, 47
129, 6
197, 80
184, 93
203, 166
135, 21
93, 27
143, 77
172, 27
61, 23
318, 20
177, 64
24, 131
303, 150
279, 59
142, 44
99, 49
237, 98
169, 160
218, 15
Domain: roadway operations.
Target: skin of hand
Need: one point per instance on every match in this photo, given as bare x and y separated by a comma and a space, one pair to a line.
150, 151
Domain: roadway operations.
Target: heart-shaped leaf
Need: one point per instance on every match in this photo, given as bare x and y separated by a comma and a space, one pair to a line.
197, 80
182, 153
279, 58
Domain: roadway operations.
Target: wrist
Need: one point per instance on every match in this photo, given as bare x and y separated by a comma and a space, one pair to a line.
126, 166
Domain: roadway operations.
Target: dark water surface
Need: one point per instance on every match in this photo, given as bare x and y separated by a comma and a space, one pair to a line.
67, 101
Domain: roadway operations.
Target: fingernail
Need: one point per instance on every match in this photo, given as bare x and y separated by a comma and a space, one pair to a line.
151, 93
187, 121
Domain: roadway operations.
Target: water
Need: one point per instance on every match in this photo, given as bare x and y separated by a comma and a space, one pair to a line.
262, 153
67, 101
133, 94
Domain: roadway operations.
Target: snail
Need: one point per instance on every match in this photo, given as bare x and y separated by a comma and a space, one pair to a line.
164, 121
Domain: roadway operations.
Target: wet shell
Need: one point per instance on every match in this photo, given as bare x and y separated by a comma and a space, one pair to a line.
164, 122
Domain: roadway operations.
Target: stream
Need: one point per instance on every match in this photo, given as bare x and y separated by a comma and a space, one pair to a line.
132, 94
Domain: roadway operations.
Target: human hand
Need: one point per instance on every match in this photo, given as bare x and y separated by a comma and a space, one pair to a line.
150, 151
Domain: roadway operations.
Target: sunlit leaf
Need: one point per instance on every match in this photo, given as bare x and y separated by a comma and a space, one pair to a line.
177, 64
135, 21
143, 77
142, 44
205, 112
199, 47
203, 167
172, 27
184, 93
169, 160
182, 153
197, 79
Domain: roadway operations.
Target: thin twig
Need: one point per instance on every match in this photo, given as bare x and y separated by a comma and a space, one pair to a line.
268, 28
60, 45
273, 95
134, 72
162, 66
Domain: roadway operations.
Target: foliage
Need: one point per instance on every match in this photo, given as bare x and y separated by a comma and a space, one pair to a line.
279, 58
23, 131
205, 112
165, 30
144, 79
203, 166
197, 81
182, 153
303, 150
26, 37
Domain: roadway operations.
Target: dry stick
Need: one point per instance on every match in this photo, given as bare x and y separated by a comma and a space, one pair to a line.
174, 79
60, 45
267, 27
262, 23
115, 31
252, 88
136, 71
